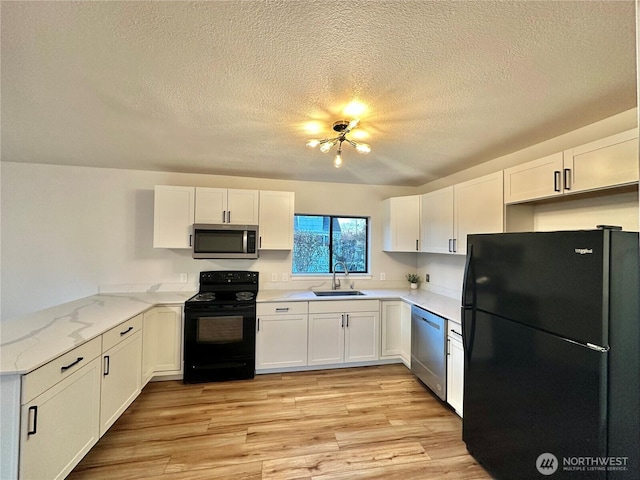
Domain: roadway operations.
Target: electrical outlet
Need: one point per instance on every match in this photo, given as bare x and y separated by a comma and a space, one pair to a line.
274, 277
426, 277
383, 276
285, 277
184, 278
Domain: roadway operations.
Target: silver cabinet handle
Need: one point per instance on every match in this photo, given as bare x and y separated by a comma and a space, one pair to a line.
282, 309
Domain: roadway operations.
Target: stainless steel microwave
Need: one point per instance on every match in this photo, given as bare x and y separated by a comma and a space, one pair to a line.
225, 241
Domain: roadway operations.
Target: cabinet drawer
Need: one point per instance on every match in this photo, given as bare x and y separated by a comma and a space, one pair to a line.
282, 308
344, 306
45, 377
121, 332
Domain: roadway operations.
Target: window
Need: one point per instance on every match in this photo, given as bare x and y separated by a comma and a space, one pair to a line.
319, 241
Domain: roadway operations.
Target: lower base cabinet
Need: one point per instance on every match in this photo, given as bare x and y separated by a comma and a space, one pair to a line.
121, 367
161, 342
344, 332
60, 426
281, 336
455, 368
396, 331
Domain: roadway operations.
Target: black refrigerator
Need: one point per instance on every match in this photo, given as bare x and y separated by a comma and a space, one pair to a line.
551, 333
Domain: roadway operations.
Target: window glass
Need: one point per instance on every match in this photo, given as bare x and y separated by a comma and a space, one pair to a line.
320, 241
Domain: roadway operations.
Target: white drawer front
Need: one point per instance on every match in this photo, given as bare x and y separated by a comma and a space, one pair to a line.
282, 308
121, 332
45, 377
346, 306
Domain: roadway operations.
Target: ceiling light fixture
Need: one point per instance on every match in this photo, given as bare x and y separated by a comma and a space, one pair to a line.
342, 128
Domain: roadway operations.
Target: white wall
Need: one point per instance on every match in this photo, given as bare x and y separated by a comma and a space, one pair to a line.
69, 232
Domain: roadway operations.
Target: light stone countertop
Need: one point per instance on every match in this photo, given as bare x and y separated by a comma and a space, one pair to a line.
441, 305
29, 342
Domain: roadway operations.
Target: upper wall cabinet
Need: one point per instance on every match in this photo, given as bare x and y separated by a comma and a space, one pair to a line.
222, 205
450, 214
173, 211
605, 163
401, 224
276, 220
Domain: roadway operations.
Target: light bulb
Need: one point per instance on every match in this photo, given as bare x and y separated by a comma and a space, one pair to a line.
325, 147
337, 162
313, 143
363, 148
353, 124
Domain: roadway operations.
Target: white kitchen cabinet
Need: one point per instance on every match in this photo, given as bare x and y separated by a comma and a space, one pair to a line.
59, 418
401, 224
437, 221
405, 333
281, 338
391, 329
173, 211
395, 330
455, 367
222, 205
276, 220
450, 214
343, 331
608, 162
121, 370
161, 342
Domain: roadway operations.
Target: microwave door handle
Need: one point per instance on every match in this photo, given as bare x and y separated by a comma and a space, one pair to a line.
245, 242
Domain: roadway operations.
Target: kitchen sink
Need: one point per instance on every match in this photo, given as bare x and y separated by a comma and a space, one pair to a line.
339, 293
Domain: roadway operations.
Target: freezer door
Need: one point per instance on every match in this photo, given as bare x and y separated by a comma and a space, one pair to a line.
527, 392
553, 281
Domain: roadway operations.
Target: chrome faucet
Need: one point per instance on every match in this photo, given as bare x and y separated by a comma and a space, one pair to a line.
335, 283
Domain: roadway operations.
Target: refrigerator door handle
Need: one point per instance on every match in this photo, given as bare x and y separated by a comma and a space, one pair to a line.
468, 316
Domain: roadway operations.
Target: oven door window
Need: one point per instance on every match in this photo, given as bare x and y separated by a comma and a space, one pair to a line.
220, 330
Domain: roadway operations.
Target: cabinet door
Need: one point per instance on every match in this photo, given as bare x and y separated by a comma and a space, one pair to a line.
149, 345
276, 220
436, 228
539, 178
362, 337
61, 425
242, 207
281, 341
173, 213
161, 342
326, 338
405, 335
211, 205
121, 372
604, 163
478, 208
402, 224
455, 373
391, 331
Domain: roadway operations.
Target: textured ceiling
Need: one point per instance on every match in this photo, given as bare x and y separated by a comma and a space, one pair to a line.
230, 87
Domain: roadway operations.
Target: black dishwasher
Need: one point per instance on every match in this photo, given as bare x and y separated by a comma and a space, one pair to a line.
428, 350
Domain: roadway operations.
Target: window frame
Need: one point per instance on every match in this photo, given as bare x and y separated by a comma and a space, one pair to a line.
367, 244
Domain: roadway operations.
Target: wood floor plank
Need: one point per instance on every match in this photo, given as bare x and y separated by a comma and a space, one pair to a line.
352, 423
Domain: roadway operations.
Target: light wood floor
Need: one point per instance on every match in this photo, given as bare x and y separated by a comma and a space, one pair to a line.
356, 423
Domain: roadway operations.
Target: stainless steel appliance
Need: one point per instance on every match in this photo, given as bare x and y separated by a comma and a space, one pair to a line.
220, 327
428, 350
225, 241
551, 334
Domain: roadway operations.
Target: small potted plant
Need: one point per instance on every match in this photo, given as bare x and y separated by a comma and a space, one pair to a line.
413, 279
